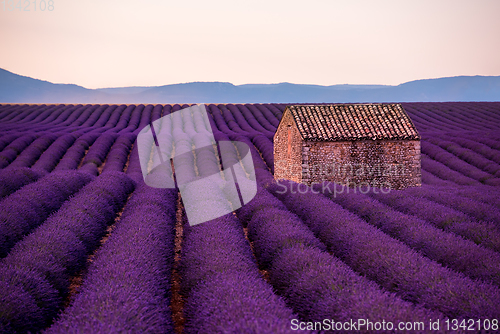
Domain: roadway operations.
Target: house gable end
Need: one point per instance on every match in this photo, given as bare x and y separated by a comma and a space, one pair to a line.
287, 114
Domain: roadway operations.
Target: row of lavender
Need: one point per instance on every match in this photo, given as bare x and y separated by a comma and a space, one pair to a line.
35, 274
458, 117
37, 271
401, 253
264, 118
126, 288
26, 157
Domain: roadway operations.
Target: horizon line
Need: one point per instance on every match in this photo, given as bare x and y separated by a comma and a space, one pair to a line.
249, 84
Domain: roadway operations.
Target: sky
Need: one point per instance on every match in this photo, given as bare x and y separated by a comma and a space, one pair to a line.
119, 43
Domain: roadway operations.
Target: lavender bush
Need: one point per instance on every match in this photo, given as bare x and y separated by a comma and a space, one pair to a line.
479, 148
217, 265
389, 262
439, 154
441, 216
472, 205
51, 157
468, 156
99, 150
33, 152
305, 275
436, 244
27, 208
76, 152
11, 152
265, 118
15, 178
7, 139
59, 248
104, 118
444, 172
117, 157
127, 287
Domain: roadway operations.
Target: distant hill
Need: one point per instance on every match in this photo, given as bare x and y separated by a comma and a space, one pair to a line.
16, 88
21, 89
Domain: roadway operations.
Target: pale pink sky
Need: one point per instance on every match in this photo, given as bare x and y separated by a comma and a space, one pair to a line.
116, 43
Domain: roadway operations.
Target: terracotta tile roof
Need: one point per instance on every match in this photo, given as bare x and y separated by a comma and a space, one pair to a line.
336, 122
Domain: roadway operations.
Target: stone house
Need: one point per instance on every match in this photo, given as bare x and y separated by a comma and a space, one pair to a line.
359, 145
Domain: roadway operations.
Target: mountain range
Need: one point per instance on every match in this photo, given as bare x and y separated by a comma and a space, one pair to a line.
15, 88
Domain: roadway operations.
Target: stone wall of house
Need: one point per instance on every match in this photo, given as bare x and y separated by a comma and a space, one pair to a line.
288, 150
392, 164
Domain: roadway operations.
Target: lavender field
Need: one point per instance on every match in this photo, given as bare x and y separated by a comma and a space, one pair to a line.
87, 247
